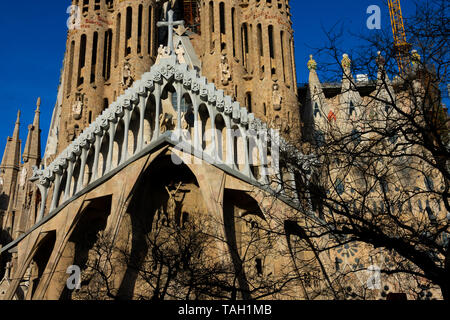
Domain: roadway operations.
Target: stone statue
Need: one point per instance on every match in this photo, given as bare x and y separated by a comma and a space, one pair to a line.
380, 59
312, 64
23, 177
163, 53
184, 123
415, 57
127, 77
225, 74
77, 108
277, 99
166, 122
1, 181
172, 203
346, 62
180, 54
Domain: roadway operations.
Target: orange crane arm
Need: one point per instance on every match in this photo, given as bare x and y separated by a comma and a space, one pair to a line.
398, 30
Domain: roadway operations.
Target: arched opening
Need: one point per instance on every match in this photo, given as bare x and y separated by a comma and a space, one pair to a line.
118, 144
149, 119
128, 31
133, 132
156, 223
82, 60
205, 128
238, 148
40, 261
221, 138
103, 156
84, 249
246, 239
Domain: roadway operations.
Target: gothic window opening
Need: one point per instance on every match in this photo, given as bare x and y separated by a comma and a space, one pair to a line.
222, 18
85, 6
191, 12
429, 183
249, 102
272, 50
71, 56
245, 49
351, 109
90, 117
339, 186
105, 103
107, 55
128, 31
316, 110
150, 22
94, 57
259, 267
117, 39
139, 48
211, 16
233, 24
282, 56
97, 5
109, 4
82, 60
260, 41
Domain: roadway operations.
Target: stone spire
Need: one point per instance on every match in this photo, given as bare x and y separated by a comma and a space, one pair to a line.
11, 157
32, 150
9, 169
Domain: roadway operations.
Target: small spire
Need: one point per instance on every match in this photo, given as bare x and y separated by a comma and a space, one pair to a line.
346, 62
18, 117
38, 104
380, 59
416, 58
312, 64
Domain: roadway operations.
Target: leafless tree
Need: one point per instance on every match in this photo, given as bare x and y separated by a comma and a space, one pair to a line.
382, 176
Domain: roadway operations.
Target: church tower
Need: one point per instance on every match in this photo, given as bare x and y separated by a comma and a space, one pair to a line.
109, 45
245, 47
252, 43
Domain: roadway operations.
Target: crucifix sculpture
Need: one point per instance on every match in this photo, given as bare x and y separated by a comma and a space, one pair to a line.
170, 24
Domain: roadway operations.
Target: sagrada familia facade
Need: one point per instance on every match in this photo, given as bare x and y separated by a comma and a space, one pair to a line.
139, 92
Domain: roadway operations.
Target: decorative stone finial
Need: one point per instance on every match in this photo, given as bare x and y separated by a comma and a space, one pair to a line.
312, 64
346, 62
38, 103
18, 117
380, 59
416, 58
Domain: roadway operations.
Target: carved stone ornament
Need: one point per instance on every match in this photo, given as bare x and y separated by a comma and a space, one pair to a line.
277, 99
77, 107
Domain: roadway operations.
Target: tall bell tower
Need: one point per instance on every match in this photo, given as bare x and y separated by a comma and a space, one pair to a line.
245, 47
248, 50
110, 44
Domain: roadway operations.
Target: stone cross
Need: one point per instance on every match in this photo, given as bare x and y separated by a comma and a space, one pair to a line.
170, 24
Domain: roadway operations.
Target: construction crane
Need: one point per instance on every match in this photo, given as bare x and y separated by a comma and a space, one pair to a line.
402, 47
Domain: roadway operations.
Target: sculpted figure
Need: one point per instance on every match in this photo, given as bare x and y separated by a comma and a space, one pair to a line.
277, 99
127, 77
225, 74
23, 177
172, 203
180, 54
77, 108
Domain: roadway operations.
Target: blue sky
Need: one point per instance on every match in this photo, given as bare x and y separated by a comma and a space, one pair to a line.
33, 36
